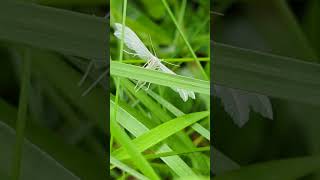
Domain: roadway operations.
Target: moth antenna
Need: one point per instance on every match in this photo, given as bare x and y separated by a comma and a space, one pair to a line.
170, 63
148, 85
154, 52
134, 54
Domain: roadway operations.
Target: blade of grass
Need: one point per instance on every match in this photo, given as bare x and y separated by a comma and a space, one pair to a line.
276, 170
130, 148
197, 127
129, 61
180, 141
92, 105
164, 2
67, 32
162, 132
126, 168
75, 160
165, 79
116, 130
268, 74
33, 157
22, 115
134, 126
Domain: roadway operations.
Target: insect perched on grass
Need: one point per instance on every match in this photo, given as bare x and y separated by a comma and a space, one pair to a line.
133, 42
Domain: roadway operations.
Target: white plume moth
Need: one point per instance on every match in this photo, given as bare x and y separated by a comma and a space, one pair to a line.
132, 41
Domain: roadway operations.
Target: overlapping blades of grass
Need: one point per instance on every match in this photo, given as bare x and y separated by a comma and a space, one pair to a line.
163, 131
165, 79
135, 127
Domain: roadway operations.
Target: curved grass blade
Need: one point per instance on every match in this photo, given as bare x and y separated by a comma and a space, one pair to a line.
135, 127
197, 127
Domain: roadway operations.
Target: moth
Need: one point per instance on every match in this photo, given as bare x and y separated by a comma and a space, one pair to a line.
133, 42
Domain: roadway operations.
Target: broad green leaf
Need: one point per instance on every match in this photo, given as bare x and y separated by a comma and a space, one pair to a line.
153, 76
32, 158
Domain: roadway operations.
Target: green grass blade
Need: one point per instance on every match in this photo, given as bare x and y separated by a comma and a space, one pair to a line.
293, 168
77, 161
164, 2
33, 156
135, 127
156, 77
162, 132
130, 148
126, 168
91, 105
22, 115
67, 32
197, 127
268, 74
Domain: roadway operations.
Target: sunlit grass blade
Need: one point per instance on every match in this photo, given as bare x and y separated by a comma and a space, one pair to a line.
156, 77
129, 147
135, 127
162, 132
197, 127
126, 168
164, 2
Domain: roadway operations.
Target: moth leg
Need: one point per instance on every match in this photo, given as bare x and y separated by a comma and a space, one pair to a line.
148, 86
134, 54
139, 87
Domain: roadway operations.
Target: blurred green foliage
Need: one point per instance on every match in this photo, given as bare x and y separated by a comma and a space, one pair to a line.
282, 28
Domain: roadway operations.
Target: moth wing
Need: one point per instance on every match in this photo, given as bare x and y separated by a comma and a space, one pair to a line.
132, 41
184, 94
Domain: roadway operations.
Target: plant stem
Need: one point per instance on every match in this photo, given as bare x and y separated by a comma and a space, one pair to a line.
185, 40
22, 116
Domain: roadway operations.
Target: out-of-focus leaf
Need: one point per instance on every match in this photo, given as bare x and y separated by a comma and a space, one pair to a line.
293, 168
36, 164
55, 29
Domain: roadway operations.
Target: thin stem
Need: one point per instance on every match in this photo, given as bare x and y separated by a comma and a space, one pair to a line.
185, 40
22, 116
